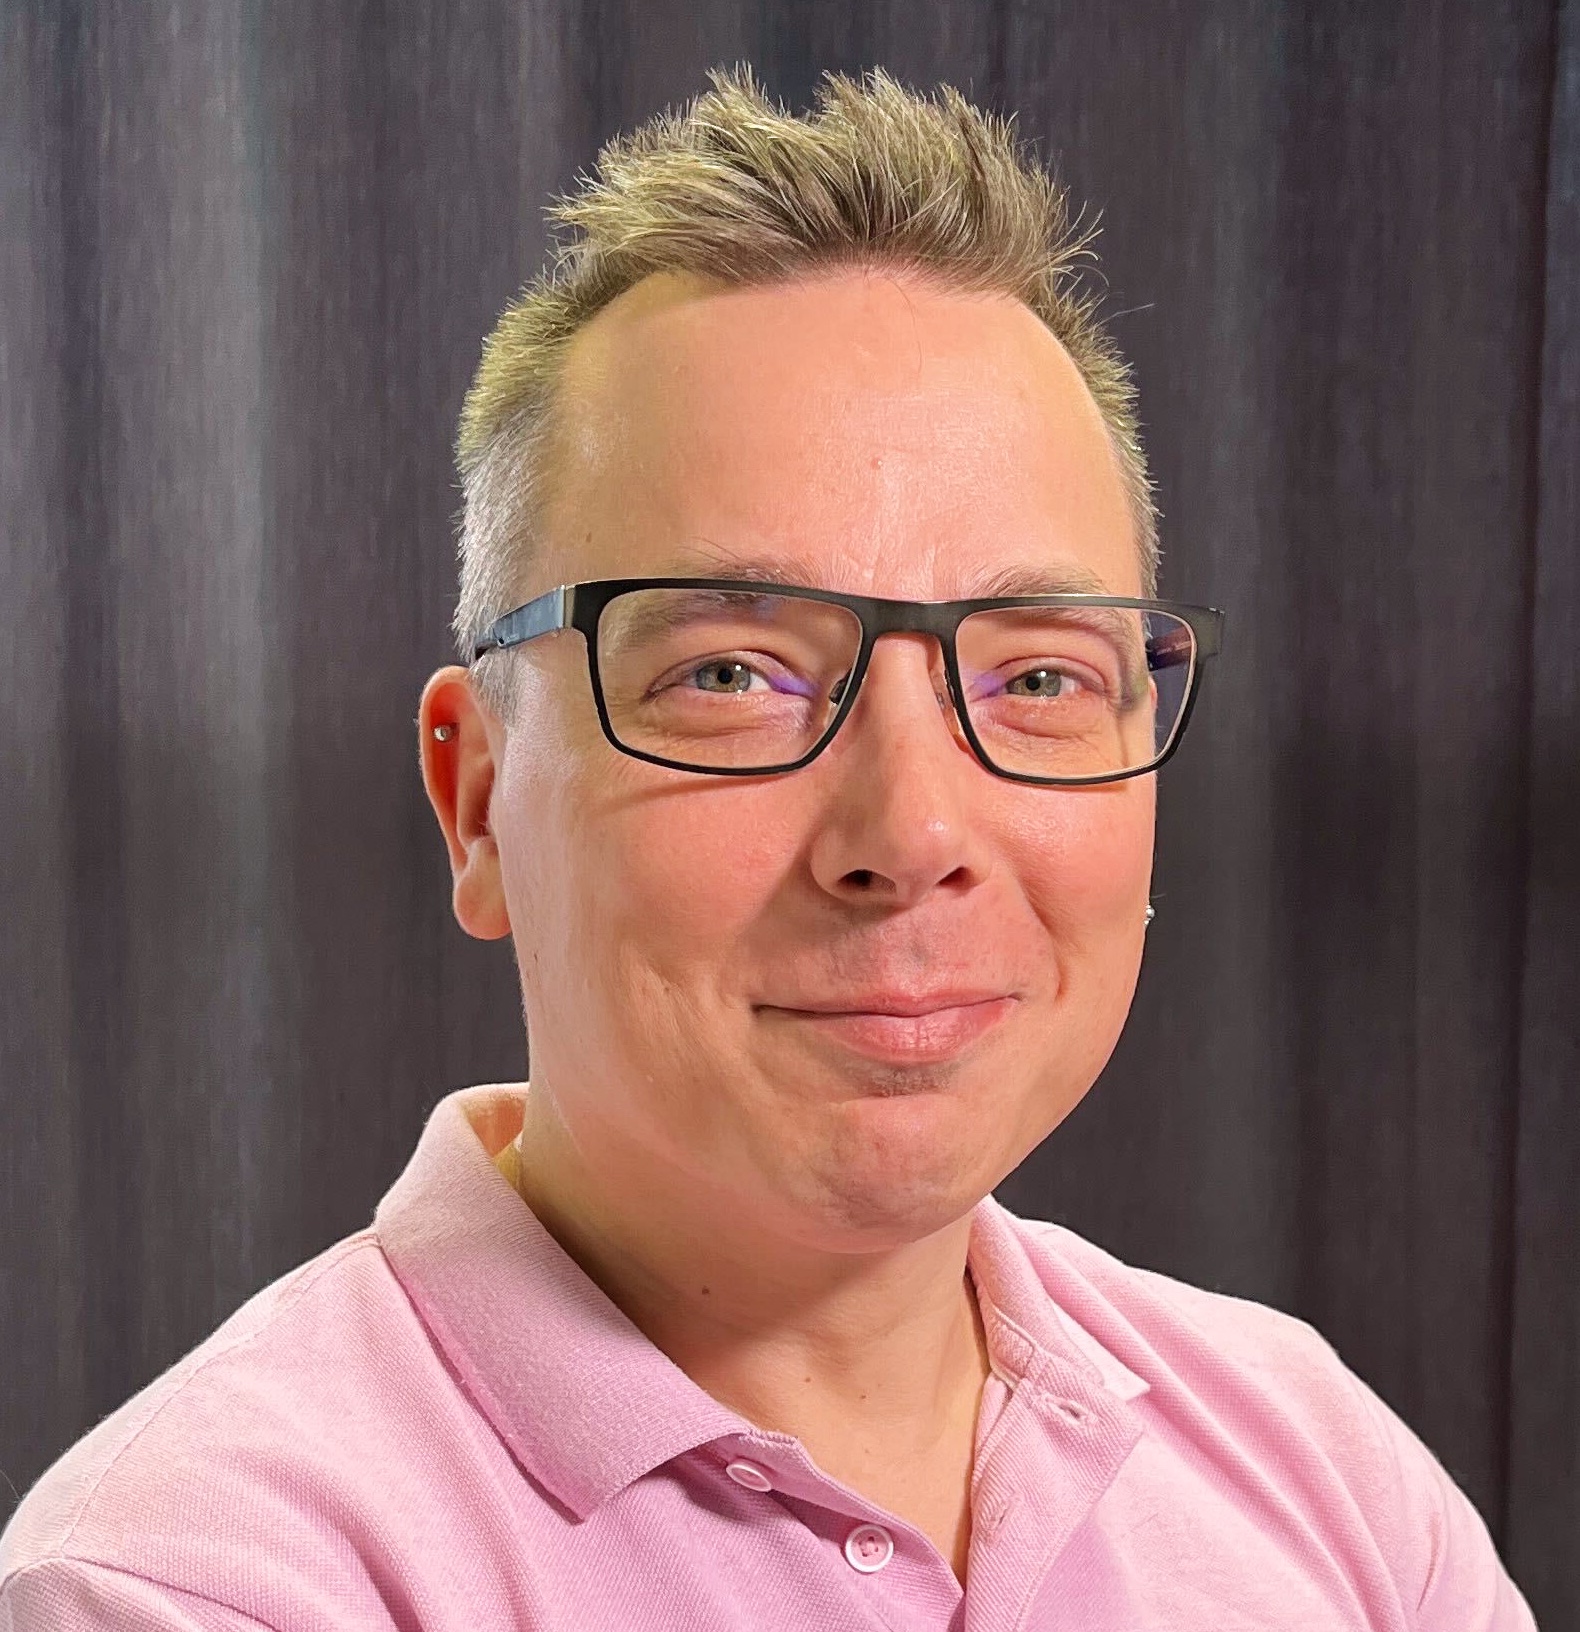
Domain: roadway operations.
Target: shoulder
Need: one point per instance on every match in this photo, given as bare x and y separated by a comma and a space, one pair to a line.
66, 1595
1175, 1322
1233, 1372
203, 1480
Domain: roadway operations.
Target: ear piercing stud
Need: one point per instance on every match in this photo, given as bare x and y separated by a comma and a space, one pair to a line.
1152, 913
444, 732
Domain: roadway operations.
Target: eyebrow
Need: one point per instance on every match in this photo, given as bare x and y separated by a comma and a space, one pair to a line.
1057, 578
676, 611
1064, 578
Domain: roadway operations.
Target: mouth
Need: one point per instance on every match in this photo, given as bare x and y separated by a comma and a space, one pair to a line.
900, 1030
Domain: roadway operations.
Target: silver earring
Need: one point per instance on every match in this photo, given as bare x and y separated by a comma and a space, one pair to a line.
1152, 913
444, 732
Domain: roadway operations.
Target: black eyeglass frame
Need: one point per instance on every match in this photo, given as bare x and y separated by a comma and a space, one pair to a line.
580, 606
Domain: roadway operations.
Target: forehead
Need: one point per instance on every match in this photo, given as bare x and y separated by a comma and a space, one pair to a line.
871, 431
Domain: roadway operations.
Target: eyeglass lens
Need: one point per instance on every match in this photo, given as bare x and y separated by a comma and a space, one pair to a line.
736, 679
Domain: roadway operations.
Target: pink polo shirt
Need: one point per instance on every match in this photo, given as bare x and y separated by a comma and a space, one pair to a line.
441, 1424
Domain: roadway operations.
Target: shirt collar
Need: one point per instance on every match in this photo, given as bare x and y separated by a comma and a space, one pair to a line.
1023, 1322
585, 1402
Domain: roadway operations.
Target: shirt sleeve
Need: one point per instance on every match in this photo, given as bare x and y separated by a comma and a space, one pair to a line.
72, 1595
1454, 1578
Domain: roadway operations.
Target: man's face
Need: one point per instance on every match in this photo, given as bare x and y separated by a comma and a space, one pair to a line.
713, 967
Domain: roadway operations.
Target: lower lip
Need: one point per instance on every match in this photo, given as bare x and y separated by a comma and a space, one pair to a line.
907, 1039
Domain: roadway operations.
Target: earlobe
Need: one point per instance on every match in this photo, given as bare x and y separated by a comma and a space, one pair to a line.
457, 756
478, 897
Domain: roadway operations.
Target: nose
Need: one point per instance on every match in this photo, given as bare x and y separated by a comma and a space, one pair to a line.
899, 822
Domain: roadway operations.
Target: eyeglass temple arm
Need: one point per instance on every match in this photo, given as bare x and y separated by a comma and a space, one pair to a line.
549, 611
1209, 631
1173, 650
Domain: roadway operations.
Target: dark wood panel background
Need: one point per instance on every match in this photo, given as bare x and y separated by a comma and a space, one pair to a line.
248, 254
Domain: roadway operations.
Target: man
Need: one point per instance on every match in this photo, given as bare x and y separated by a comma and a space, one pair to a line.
807, 757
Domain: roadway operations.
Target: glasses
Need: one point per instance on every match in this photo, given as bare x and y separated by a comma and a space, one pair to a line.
733, 677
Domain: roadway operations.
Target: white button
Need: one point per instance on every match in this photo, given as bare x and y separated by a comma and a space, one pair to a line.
869, 1547
750, 1475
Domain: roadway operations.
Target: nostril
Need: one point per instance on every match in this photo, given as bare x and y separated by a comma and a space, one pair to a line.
861, 877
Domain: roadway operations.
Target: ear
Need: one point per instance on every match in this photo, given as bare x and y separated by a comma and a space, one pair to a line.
458, 773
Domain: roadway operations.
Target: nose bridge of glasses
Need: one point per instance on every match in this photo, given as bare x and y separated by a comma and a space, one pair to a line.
936, 618
930, 625
897, 667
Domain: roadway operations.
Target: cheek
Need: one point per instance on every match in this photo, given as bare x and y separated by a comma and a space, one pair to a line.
677, 873
1085, 865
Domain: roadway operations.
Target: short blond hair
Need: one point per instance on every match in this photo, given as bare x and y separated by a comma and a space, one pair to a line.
738, 191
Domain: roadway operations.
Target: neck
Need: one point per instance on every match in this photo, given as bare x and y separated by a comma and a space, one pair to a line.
874, 1361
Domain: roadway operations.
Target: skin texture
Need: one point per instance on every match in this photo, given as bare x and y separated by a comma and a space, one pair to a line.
782, 1213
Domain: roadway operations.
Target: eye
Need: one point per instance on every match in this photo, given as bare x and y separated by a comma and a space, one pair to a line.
724, 675
1042, 683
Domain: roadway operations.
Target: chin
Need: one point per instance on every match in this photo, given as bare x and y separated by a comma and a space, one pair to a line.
897, 1169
